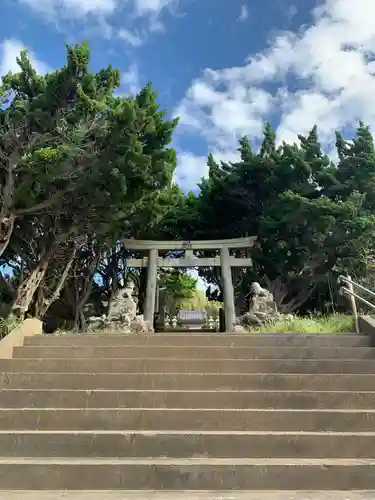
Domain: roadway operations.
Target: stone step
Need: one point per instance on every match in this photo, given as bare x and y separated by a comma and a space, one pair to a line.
55, 398
186, 444
186, 474
218, 412
194, 352
187, 381
212, 339
144, 365
187, 495
187, 419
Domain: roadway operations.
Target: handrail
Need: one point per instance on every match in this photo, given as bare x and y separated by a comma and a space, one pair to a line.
349, 290
357, 285
353, 294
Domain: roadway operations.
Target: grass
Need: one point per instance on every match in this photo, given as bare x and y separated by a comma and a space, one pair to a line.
7, 325
334, 323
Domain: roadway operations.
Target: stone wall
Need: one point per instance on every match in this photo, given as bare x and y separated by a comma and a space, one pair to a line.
27, 328
367, 327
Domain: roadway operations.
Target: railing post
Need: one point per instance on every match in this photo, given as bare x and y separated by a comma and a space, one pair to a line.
353, 303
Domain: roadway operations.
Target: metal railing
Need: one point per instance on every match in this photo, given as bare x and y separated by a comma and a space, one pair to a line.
348, 289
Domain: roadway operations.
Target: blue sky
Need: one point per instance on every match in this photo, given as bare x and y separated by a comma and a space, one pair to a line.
224, 66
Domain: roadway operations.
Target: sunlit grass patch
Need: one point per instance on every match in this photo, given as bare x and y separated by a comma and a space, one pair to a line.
334, 323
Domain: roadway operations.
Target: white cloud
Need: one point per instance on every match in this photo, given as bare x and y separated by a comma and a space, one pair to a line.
201, 284
102, 16
131, 80
152, 6
80, 8
323, 73
152, 11
130, 37
71, 9
222, 116
291, 12
10, 50
244, 14
191, 168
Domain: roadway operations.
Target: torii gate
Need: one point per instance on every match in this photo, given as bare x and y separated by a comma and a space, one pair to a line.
225, 261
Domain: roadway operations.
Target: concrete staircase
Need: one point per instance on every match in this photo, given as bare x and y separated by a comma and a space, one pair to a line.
288, 413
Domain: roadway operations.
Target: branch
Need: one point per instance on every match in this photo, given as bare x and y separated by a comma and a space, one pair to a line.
56, 294
7, 284
279, 290
5, 242
44, 204
88, 279
299, 300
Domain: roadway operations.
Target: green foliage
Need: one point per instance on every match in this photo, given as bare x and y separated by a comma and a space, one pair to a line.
200, 302
82, 169
178, 285
79, 167
74, 138
7, 325
335, 323
310, 217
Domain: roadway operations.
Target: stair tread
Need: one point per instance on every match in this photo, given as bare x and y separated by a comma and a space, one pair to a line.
237, 410
200, 334
194, 391
222, 347
188, 374
187, 495
94, 432
69, 457
172, 358
181, 462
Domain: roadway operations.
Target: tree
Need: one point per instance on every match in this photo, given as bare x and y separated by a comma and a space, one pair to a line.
288, 197
46, 128
82, 169
107, 160
355, 170
180, 219
199, 301
178, 285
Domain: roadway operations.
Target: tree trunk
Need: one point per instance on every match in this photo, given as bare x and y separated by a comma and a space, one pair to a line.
30, 285
56, 293
7, 217
6, 231
38, 302
114, 288
241, 291
142, 290
16, 143
280, 292
240, 302
79, 320
298, 300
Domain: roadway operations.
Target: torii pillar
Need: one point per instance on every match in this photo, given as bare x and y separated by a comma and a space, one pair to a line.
152, 274
228, 292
